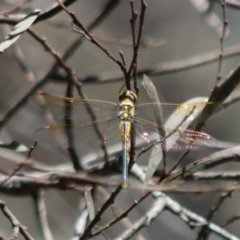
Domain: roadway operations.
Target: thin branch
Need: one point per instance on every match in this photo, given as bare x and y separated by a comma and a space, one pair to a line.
219, 95
204, 231
121, 216
231, 220
223, 38
17, 226
235, 4
122, 57
91, 38
100, 212
15, 9
117, 211
19, 166
136, 42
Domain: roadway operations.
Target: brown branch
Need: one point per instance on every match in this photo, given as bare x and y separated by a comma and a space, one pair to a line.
219, 95
121, 216
100, 212
19, 165
17, 226
204, 232
137, 42
15, 9
223, 38
90, 37
235, 4
231, 220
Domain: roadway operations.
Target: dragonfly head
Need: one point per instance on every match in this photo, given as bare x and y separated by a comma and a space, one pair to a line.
128, 95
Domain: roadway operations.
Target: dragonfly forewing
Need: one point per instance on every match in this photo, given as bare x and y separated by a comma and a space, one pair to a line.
77, 110
177, 111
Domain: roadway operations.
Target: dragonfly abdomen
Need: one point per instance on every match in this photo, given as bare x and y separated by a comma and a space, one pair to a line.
126, 116
125, 131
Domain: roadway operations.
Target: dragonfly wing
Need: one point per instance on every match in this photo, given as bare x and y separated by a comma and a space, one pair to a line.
190, 109
180, 117
181, 138
187, 139
76, 109
83, 136
177, 139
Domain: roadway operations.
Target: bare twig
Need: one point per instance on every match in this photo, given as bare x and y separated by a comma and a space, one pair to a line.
121, 216
91, 38
15, 9
20, 165
219, 95
100, 212
204, 231
231, 220
223, 37
116, 212
17, 226
235, 4
136, 41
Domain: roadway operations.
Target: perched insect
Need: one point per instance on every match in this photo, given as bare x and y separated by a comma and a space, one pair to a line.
96, 121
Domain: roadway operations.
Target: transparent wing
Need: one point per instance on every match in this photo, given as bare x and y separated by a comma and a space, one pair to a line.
76, 109
176, 139
147, 111
85, 137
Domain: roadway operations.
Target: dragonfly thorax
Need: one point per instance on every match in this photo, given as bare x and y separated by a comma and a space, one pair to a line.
127, 112
127, 106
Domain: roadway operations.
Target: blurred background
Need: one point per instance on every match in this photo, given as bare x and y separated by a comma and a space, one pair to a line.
177, 32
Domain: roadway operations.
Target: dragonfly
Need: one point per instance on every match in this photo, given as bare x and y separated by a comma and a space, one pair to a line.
101, 122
